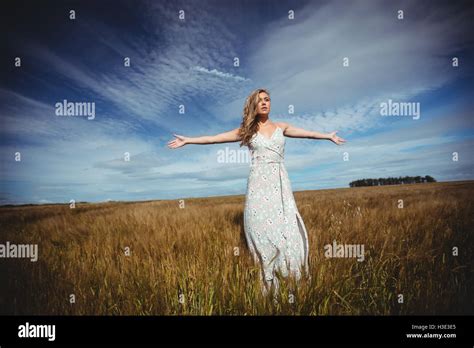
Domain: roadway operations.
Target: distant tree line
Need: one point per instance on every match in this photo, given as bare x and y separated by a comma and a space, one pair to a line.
392, 181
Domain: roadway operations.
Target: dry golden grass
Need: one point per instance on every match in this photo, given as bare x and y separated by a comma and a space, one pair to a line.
191, 252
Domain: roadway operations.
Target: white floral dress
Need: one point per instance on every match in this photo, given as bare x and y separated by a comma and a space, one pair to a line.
274, 230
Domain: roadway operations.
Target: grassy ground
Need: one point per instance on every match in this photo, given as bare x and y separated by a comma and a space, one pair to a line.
194, 260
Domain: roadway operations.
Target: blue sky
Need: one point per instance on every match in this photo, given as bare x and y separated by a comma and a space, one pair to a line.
191, 63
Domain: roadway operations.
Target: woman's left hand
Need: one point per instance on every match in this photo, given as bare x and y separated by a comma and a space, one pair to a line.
335, 139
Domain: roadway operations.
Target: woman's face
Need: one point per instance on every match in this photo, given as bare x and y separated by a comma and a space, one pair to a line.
263, 106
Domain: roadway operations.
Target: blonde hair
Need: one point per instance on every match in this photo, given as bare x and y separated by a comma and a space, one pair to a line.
249, 124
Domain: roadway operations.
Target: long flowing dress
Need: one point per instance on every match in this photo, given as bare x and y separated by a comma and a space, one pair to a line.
275, 232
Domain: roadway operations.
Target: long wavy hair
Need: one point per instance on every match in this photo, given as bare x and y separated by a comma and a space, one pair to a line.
249, 125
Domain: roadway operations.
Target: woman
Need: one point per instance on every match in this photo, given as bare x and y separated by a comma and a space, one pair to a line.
275, 232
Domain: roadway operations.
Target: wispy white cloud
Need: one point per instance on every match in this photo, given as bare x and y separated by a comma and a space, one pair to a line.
220, 73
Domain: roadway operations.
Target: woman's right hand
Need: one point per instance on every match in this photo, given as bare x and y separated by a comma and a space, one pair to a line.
178, 142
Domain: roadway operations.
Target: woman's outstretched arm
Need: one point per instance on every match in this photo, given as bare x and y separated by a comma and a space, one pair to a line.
227, 137
294, 132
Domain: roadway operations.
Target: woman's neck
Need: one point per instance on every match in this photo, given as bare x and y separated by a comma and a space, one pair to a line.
263, 120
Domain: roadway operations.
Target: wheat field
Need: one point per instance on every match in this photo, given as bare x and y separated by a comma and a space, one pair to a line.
163, 258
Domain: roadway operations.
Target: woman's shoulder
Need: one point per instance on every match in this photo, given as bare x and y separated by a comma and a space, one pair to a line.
282, 125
